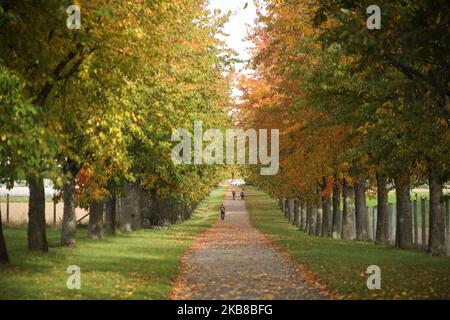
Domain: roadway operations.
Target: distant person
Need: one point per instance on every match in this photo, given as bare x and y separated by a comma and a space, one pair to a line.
222, 212
242, 194
234, 194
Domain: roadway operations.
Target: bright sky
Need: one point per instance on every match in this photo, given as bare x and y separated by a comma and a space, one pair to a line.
236, 28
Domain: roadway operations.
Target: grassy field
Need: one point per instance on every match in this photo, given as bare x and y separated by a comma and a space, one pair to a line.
140, 265
341, 264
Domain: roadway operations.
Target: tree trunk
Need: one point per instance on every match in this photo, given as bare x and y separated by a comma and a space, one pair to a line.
3, 251
283, 206
142, 207
312, 217
156, 217
319, 215
286, 208
347, 214
382, 234
308, 217
95, 227
128, 208
37, 237
303, 208
110, 215
337, 216
403, 234
291, 210
327, 218
296, 213
361, 214
69, 221
436, 240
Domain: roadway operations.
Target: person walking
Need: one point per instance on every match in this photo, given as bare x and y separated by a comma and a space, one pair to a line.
242, 194
222, 212
234, 194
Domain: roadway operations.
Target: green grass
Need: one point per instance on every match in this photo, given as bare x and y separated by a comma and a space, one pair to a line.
140, 265
341, 264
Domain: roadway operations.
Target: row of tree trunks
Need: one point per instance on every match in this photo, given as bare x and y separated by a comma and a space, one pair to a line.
317, 218
136, 206
135, 209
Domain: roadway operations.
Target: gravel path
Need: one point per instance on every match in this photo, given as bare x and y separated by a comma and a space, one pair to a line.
233, 260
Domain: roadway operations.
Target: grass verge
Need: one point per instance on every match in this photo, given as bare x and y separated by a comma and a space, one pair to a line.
341, 265
140, 265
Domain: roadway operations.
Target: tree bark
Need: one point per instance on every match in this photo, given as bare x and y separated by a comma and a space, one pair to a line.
436, 240
110, 215
337, 216
303, 209
361, 214
37, 237
308, 217
286, 208
291, 210
382, 233
296, 213
327, 218
319, 215
403, 234
69, 221
128, 208
347, 214
143, 207
312, 217
4, 258
95, 226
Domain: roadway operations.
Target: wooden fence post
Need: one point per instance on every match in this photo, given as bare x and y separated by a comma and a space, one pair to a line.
390, 222
374, 222
54, 213
447, 213
424, 223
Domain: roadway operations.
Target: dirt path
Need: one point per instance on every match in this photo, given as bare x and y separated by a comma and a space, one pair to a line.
233, 260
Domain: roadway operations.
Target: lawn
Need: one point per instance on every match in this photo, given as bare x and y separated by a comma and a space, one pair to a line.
140, 265
341, 264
